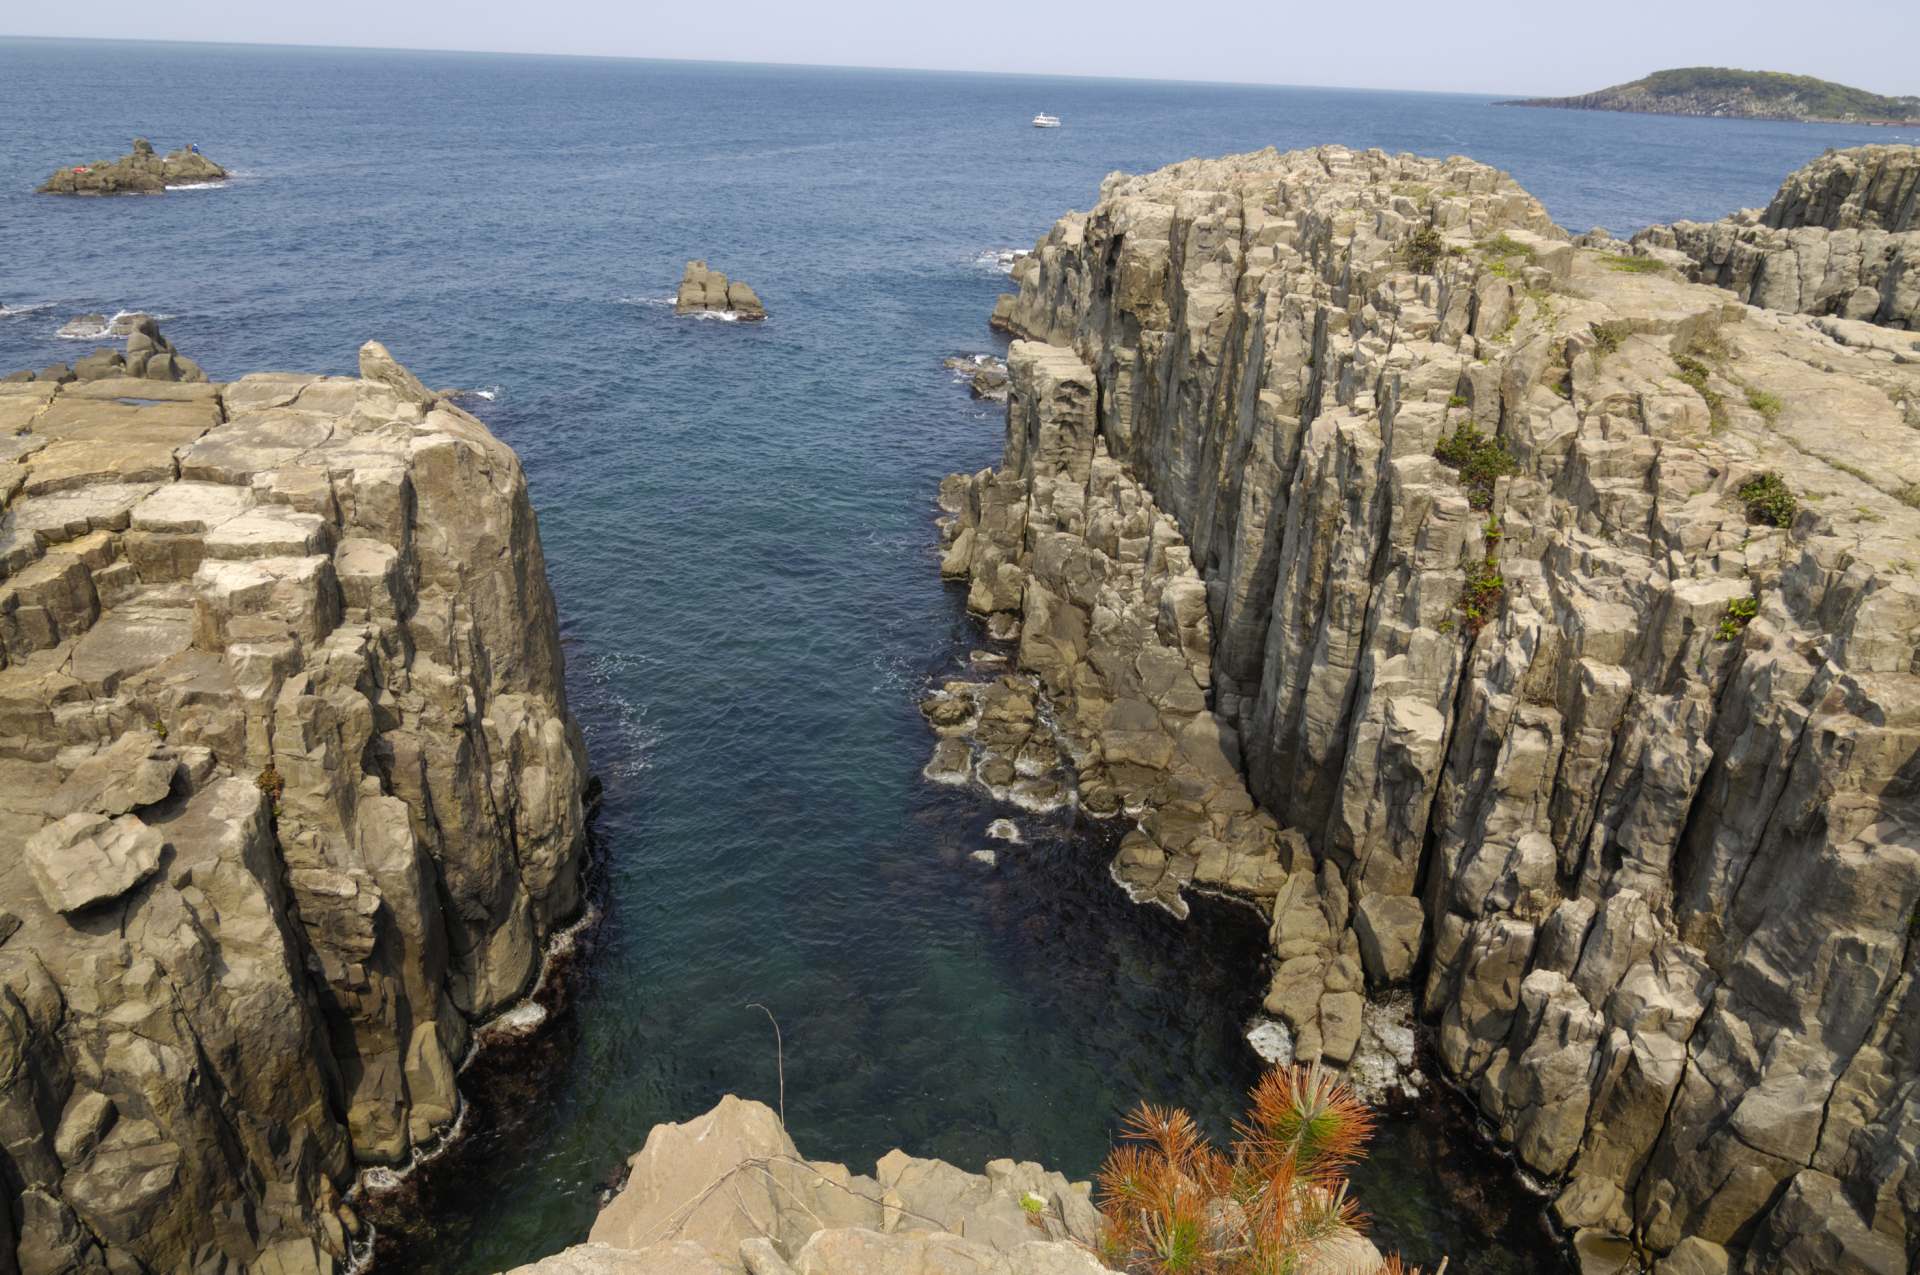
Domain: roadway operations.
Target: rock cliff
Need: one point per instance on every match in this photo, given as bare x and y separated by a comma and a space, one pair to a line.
1842, 238
727, 1192
1518, 621
141, 172
290, 799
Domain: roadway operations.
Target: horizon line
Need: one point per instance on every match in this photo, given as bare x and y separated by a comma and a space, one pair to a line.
694, 61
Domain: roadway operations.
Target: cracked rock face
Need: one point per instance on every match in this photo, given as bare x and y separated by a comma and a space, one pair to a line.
1841, 238
290, 799
1617, 771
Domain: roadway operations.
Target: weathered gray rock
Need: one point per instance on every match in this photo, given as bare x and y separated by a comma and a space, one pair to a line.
141, 172
1662, 851
704, 291
290, 799
1841, 238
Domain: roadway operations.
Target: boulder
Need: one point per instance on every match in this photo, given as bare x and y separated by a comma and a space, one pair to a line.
84, 859
1389, 927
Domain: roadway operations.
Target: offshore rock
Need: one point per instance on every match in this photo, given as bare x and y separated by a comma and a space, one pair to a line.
1621, 771
141, 172
290, 800
1841, 238
729, 1192
704, 291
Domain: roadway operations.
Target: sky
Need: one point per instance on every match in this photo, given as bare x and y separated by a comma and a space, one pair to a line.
1488, 46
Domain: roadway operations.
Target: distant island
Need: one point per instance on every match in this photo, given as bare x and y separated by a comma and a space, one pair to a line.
1724, 93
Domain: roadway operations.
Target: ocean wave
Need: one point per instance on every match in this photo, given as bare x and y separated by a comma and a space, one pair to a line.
17, 311
1002, 259
104, 331
220, 185
647, 301
488, 393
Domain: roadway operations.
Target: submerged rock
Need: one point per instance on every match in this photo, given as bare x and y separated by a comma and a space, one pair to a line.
986, 375
292, 791
704, 291
1389, 559
141, 172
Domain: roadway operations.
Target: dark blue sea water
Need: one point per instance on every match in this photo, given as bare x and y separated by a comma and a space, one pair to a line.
737, 520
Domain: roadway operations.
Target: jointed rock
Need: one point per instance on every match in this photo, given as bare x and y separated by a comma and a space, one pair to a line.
290, 799
704, 291
1621, 770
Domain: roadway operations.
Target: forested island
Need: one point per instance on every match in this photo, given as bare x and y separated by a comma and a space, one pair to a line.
1722, 92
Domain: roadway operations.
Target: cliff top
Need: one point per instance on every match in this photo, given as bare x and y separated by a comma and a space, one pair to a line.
1725, 91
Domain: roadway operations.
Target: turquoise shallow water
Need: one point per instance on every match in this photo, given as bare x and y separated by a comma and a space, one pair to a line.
737, 521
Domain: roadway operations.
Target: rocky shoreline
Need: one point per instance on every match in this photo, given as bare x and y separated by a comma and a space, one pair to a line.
283, 729
1516, 623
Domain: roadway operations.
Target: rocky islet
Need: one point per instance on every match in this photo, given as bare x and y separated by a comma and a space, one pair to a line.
1557, 728
140, 172
705, 291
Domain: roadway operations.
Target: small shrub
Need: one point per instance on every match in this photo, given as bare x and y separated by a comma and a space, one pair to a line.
1485, 587
1457, 400
1481, 461
1502, 246
1032, 1203
1768, 405
1768, 499
1275, 1201
1740, 613
1424, 250
160, 729
1608, 338
1698, 376
271, 785
1633, 265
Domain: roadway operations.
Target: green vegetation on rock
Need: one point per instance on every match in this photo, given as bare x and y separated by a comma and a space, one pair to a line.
1768, 499
1481, 461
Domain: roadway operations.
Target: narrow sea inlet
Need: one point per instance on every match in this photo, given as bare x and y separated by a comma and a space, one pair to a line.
737, 521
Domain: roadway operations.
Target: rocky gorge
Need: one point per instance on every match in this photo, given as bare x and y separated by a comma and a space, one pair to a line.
1515, 621
291, 795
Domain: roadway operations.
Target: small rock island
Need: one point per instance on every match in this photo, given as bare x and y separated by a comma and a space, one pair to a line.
704, 291
141, 173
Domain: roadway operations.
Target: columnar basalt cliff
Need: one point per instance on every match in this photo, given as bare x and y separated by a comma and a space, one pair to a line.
1841, 238
1529, 626
290, 799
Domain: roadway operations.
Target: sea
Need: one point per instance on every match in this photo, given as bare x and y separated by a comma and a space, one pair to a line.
738, 523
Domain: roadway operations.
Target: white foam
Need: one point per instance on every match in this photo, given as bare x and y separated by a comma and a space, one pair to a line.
199, 186
15, 311
1002, 259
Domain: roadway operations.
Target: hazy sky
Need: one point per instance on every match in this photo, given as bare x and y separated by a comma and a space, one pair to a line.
1471, 45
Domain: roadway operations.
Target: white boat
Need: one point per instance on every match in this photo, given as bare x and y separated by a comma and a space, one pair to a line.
1044, 120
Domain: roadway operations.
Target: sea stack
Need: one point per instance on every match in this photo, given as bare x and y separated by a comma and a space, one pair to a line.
704, 291
294, 798
1511, 619
140, 173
